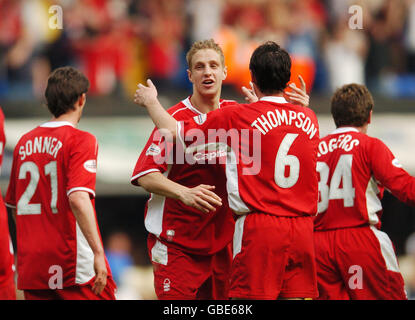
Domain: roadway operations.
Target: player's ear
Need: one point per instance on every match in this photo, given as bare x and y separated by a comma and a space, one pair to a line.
82, 100
225, 72
189, 75
369, 120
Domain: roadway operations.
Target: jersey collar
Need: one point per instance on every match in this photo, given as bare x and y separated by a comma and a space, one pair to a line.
274, 99
56, 124
189, 105
345, 129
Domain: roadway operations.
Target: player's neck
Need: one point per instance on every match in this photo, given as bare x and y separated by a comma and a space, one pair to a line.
261, 95
205, 104
71, 117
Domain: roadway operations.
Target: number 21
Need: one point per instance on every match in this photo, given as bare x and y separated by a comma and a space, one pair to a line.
23, 205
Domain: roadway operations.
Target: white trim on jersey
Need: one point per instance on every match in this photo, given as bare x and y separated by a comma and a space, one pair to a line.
142, 173
189, 105
373, 203
232, 186
274, 99
238, 235
159, 253
80, 189
9, 205
153, 221
84, 258
344, 130
56, 124
179, 134
178, 111
387, 251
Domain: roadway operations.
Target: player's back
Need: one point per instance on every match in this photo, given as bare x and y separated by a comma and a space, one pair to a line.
281, 178
349, 191
43, 176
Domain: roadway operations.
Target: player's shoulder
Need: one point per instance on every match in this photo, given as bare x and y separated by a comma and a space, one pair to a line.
182, 110
82, 135
225, 103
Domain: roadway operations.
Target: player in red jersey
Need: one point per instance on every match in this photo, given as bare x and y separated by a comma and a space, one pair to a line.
52, 189
7, 287
271, 151
355, 260
189, 242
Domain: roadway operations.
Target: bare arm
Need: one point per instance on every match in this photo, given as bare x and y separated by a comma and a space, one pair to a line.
200, 197
147, 97
84, 214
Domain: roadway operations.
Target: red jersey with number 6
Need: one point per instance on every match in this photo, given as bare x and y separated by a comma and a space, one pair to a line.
49, 163
354, 169
172, 221
271, 150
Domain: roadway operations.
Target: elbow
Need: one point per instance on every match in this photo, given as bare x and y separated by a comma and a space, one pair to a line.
77, 198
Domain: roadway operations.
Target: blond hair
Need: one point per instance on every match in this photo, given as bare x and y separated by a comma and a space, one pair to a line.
205, 44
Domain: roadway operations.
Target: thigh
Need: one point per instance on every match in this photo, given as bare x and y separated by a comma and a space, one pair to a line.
177, 275
330, 282
369, 265
220, 274
300, 278
261, 243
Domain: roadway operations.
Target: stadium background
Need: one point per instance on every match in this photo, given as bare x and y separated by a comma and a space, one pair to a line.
118, 43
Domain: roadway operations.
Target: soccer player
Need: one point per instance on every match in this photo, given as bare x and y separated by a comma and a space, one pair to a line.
355, 260
190, 229
7, 287
275, 192
52, 189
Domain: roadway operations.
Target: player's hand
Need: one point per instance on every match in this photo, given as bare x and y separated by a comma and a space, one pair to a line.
201, 197
145, 95
100, 273
250, 95
298, 95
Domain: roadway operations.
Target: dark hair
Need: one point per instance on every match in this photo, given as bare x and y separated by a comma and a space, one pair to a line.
65, 86
271, 68
351, 105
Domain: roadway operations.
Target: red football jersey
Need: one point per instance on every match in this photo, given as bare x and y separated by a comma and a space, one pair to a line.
170, 220
354, 169
6, 247
49, 163
271, 149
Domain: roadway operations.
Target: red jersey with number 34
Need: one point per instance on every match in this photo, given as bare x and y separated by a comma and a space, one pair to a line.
271, 149
354, 169
49, 163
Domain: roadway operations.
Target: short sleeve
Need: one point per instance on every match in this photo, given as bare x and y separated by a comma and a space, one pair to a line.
82, 164
153, 157
388, 171
11, 190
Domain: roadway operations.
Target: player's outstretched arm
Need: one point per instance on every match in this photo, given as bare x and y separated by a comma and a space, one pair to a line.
201, 197
84, 214
146, 96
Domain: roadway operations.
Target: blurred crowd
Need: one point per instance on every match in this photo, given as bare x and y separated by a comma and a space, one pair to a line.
118, 43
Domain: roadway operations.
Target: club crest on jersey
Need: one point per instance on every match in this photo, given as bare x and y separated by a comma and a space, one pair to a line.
200, 119
90, 166
153, 150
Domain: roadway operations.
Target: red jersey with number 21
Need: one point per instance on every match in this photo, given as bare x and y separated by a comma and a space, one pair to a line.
49, 163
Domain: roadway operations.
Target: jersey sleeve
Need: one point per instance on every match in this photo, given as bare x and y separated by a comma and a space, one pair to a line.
198, 130
153, 156
389, 172
11, 190
82, 164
